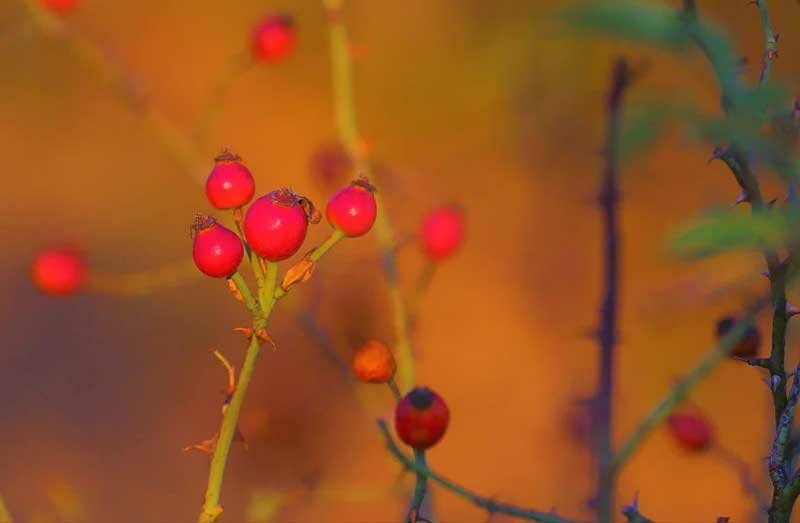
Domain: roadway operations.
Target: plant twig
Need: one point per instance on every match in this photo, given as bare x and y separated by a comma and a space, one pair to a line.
490, 505
692, 378
770, 41
350, 137
420, 488
607, 333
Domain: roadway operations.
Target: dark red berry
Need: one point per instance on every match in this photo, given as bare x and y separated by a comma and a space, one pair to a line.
421, 418
273, 38
353, 209
276, 224
59, 272
692, 431
230, 184
748, 345
217, 250
60, 6
331, 166
442, 232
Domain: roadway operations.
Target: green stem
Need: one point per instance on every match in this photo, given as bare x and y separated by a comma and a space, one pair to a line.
247, 296
252, 258
230, 418
420, 487
489, 504
395, 389
348, 131
234, 69
336, 236
266, 294
695, 375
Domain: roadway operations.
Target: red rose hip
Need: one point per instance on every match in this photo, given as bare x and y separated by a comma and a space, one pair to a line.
58, 272
692, 431
275, 225
353, 209
217, 250
60, 6
421, 418
230, 184
273, 38
748, 345
442, 232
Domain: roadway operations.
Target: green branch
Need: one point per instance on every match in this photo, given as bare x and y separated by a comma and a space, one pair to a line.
490, 505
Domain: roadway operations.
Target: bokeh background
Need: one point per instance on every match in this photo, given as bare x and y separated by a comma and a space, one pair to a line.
493, 105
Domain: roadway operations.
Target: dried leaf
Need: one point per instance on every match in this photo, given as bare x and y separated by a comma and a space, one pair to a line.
235, 291
299, 273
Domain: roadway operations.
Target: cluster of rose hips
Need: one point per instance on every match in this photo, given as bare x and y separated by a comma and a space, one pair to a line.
275, 225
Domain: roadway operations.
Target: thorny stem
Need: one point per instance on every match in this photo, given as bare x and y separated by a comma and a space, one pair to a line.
267, 291
692, 378
230, 419
784, 495
490, 505
5, 515
348, 131
607, 334
770, 41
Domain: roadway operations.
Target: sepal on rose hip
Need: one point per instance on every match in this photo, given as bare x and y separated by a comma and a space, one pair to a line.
421, 418
217, 251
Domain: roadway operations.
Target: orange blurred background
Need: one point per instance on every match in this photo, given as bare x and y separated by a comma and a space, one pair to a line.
493, 105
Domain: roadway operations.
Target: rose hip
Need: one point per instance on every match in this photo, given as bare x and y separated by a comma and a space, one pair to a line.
230, 184
59, 272
352, 210
273, 38
217, 250
373, 362
421, 418
692, 431
442, 232
275, 225
748, 345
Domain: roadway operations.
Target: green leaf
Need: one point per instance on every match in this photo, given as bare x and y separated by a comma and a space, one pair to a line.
643, 125
656, 25
724, 231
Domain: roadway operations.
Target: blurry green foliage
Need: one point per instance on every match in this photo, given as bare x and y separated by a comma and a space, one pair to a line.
724, 231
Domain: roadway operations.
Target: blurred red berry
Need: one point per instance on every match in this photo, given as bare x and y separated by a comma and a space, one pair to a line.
353, 209
230, 184
421, 418
442, 232
60, 6
59, 272
748, 345
692, 431
217, 250
275, 225
331, 166
373, 362
273, 38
